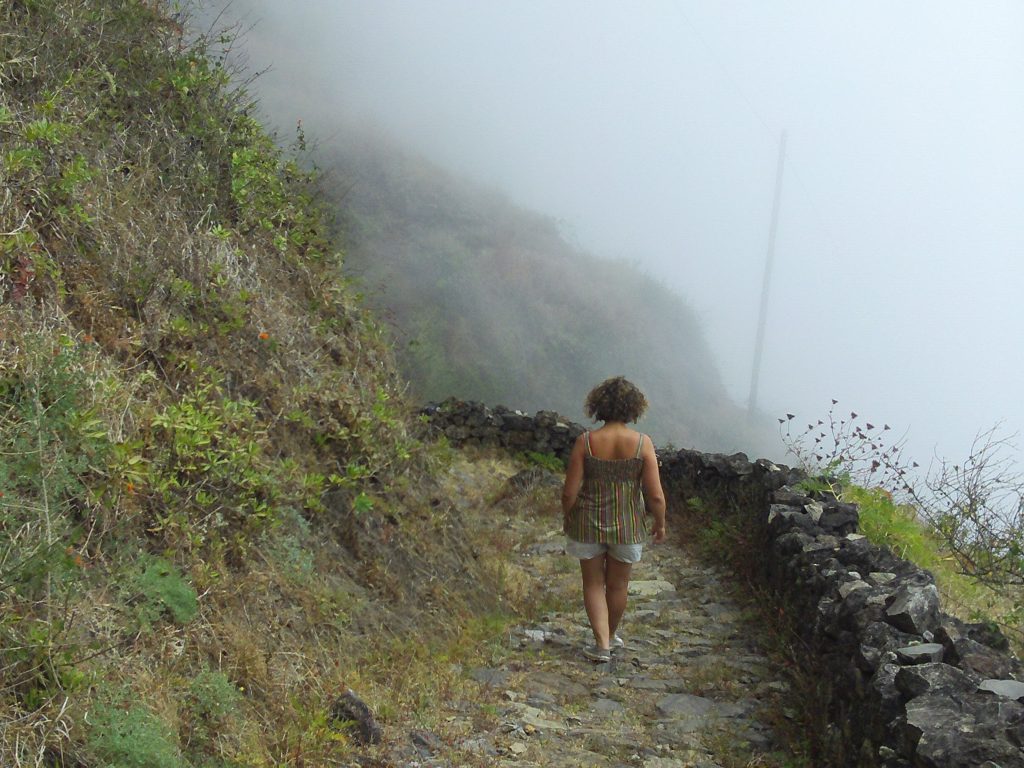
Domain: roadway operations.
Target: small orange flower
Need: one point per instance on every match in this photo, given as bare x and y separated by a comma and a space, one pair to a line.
76, 557
264, 335
88, 339
130, 487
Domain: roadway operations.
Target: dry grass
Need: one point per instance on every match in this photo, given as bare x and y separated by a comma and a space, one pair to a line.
291, 648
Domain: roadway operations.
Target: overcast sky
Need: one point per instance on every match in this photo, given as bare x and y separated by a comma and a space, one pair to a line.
651, 130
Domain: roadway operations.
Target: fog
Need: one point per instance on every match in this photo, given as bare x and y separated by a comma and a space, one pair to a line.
651, 131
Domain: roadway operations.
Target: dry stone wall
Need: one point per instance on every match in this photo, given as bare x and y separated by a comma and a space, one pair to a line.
904, 684
466, 423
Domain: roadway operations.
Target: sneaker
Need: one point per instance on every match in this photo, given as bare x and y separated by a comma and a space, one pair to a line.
599, 655
617, 642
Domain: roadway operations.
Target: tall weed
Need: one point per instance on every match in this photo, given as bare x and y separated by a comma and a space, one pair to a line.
53, 448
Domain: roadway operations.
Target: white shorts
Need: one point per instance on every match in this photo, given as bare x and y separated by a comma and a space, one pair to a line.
583, 550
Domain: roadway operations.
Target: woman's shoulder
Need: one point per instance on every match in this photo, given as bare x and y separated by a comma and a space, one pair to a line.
617, 444
632, 434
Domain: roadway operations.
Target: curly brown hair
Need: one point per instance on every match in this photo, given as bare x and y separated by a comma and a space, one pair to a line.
615, 399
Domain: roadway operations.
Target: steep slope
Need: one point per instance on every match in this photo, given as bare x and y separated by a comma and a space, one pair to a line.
210, 492
490, 302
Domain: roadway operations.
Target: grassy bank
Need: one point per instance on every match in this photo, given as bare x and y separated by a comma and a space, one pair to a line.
898, 527
216, 513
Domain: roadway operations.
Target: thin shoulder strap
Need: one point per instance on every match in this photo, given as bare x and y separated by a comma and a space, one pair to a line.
586, 439
639, 445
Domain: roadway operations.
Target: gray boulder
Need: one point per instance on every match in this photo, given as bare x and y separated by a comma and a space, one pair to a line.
936, 678
914, 608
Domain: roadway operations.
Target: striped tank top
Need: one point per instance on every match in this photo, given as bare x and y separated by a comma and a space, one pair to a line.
610, 506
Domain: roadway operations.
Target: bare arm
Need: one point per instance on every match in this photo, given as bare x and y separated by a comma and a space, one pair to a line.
654, 496
573, 477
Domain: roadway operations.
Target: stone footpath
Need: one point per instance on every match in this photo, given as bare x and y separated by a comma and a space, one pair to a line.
897, 682
689, 690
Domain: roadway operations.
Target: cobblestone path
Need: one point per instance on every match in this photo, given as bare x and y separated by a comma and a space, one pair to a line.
689, 690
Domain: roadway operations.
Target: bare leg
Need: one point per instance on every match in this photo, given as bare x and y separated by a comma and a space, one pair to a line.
616, 591
594, 599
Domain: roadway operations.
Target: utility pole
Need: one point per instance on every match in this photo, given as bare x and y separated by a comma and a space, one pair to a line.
768, 264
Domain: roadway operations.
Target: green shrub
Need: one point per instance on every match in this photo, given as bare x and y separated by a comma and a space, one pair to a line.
157, 587
132, 738
209, 471
546, 461
212, 696
210, 704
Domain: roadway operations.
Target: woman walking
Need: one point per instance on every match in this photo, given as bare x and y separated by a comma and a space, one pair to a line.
611, 482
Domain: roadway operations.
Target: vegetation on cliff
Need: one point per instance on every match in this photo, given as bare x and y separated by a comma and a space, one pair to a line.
209, 486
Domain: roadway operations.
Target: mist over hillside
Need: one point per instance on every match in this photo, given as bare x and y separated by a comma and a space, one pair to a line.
654, 129
489, 296
490, 302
